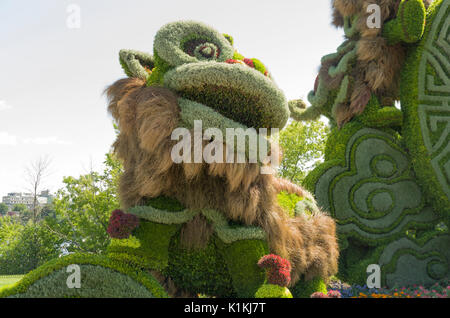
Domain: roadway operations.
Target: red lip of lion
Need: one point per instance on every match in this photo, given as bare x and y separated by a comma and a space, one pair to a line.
146, 117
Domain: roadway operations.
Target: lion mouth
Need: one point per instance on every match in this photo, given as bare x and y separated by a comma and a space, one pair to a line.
236, 91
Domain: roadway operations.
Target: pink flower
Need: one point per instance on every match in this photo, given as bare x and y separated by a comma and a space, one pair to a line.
334, 294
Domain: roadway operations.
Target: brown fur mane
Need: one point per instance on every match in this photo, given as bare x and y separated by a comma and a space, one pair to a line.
378, 64
146, 117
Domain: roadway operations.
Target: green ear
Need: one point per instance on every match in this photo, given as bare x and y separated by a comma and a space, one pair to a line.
136, 64
229, 38
409, 24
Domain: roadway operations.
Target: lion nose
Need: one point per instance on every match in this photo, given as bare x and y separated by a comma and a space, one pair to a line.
245, 61
231, 61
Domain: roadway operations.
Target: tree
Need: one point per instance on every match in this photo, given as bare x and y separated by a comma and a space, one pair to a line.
303, 145
36, 173
3, 209
48, 210
83, 207
19, 207
25, 247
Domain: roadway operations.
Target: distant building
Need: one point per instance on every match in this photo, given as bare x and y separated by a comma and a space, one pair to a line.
14, 198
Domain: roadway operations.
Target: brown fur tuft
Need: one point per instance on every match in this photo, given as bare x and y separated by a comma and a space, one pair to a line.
378, 64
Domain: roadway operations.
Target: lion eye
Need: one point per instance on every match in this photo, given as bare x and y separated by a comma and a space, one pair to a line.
202, 49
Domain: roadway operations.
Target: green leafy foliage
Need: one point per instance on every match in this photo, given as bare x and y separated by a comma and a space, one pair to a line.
3, 209
19, 208
303, 145
83, 208
25, 247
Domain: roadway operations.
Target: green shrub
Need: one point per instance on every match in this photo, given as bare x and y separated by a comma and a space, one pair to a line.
48, 274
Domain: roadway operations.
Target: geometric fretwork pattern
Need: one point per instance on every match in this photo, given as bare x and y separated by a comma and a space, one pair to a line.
378, 206
433, 108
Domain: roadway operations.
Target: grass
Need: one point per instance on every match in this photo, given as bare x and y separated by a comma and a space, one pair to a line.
9, 279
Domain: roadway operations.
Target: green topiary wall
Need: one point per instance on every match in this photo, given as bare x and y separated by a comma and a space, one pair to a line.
425, 98
386, 175
370, 189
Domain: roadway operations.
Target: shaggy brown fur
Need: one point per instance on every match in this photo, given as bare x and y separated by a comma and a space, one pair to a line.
146, 117
378, 64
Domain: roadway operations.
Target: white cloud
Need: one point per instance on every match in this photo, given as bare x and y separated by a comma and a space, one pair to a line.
7, 139
4, 105
45, 141
10, 140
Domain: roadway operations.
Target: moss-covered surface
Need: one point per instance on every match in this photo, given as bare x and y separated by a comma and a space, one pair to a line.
273, 291
368, 182
304, 289
409, 25
242, 258
148, 247
425, 99
368, 186
288, 201
199, 270
165, 203
110, 273
199, 63
236, 91
96, 282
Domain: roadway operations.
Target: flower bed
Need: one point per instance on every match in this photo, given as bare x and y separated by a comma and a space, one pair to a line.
438, 290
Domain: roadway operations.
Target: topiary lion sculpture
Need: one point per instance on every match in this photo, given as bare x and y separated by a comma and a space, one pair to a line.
202, 226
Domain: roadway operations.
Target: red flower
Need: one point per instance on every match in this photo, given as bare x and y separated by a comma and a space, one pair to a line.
249, 62
121, 225
279, 269
232, 61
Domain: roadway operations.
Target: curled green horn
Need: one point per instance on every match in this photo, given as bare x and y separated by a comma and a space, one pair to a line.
229, 38
175, 43
136, 64
299, 112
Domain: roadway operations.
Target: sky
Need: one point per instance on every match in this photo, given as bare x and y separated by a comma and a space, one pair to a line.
53, 71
